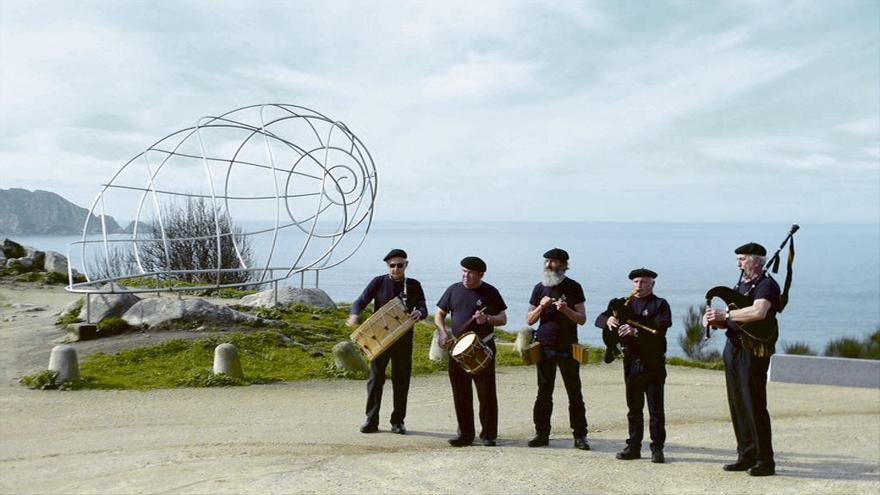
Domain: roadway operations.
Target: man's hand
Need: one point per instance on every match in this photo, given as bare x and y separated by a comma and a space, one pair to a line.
626, 330
545, 302
481, 317
416, 315
613, 323
352, 321
443, 339
561, 305
715, 317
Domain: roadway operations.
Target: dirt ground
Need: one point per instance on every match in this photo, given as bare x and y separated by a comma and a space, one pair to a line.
302, 437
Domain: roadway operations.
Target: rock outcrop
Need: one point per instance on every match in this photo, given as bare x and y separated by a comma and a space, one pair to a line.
288, 296
155, 311
107, 305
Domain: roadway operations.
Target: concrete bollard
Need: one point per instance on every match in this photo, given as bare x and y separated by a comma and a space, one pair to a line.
348, 359
64, 362
226, 361
437, 353
523, 340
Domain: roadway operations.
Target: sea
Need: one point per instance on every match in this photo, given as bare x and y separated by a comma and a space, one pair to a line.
835, 290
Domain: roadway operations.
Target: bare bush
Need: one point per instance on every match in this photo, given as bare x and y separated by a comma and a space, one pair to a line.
191, 249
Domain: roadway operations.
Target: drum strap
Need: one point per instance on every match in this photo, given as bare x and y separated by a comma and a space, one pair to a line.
488, 338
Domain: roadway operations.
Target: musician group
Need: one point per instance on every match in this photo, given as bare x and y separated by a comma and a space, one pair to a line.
633, 328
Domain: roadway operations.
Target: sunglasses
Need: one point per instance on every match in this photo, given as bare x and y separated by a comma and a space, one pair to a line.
396, 265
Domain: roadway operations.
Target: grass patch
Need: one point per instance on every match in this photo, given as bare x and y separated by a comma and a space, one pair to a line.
689, 363
150, 283
71, 316
301, 349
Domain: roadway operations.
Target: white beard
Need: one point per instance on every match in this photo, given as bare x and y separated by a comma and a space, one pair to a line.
552, 278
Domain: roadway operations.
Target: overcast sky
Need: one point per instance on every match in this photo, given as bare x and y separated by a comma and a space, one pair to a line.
477, 110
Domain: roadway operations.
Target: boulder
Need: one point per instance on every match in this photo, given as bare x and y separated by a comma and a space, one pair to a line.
36, 255
55, 262
161, 310
107, 305
348, 359
12, 249
288, 296
20, 262
2, 260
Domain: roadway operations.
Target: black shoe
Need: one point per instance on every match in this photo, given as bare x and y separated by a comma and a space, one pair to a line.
489, 442
366, 427
581, 443
761, 469
739, 465
539, 441
629, 453
399, 428
609, 355
459, 442
657, 457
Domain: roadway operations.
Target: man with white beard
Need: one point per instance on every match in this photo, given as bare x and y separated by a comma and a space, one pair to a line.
559, 303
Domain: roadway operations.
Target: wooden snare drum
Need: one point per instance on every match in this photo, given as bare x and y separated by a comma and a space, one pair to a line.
382, 329
532, 354
472, 353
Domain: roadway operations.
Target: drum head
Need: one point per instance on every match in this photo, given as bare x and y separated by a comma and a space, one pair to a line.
463, 343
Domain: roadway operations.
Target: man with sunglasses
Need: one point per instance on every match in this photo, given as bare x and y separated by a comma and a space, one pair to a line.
380, 290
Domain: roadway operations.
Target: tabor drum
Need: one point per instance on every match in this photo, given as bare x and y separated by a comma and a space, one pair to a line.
472, 353
382, 329
532, 354
580, 353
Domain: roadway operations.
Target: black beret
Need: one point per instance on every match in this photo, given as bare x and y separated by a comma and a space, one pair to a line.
395, 253
642, 272
751, 248
474, 263
556, 254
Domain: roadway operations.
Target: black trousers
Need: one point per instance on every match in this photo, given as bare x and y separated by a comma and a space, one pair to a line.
746, 376
400, 356
645, 382
543, 410
463, 398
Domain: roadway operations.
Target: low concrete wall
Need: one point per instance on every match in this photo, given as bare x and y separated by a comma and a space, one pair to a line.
817, 370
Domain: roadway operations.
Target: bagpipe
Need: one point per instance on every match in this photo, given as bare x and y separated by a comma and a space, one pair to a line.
621, 311
758, 336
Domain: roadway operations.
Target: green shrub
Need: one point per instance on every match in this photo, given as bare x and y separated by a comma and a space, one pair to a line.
799, 348
693, 341
848, 347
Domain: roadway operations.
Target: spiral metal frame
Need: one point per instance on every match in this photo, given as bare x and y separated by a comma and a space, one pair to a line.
355, 200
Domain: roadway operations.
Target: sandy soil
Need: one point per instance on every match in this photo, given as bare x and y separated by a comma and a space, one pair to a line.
302, 437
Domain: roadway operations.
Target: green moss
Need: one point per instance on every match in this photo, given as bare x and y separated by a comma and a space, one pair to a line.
113, 325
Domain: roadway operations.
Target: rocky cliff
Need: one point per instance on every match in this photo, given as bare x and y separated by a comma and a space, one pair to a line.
44, 212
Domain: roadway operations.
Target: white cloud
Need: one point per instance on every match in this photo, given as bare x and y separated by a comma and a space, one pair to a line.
868, 126
480, 75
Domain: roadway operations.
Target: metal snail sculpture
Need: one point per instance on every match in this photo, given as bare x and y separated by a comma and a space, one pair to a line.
309, 180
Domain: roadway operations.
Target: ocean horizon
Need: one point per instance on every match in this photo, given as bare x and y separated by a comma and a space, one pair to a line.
835, 290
